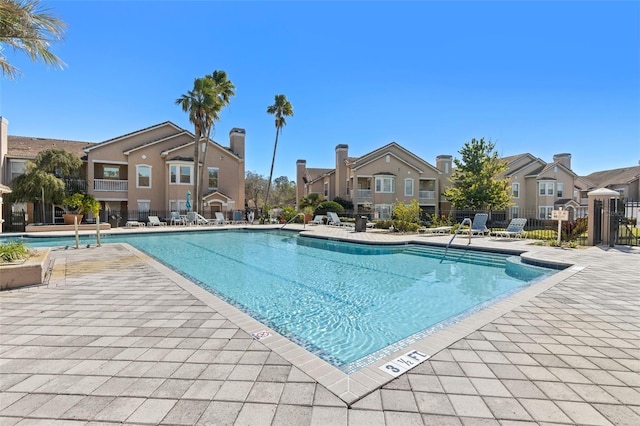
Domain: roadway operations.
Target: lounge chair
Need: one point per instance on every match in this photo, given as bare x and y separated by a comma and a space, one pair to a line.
335, 220
155, 221
176, 219
197, 219
479, 225
515, 229
318, 220
440, 230
237, 218
220, 220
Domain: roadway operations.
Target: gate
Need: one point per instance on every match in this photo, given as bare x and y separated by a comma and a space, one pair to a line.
624, 222
597, 222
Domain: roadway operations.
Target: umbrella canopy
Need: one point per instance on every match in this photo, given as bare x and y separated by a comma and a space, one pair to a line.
188, 204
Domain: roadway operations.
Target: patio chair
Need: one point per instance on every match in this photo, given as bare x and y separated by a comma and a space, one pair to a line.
176, 219
237, 217
479, 225
318, 220
440, 230
515, 229
197, 219
335, 220
220, 220
155, 221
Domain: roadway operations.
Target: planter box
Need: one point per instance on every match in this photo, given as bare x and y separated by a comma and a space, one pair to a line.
29, 272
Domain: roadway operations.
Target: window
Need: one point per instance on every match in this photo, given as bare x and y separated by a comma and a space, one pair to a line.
144, 176
408, 187
544, 212
144, 205
180, 174
383, 211
213, 177
515, 212
515, 190
545, 188
385, 184
326, 189
111, 172
559, 188
17, 168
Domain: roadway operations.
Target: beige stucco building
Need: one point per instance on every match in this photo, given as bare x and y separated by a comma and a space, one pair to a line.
374, 181
148, 171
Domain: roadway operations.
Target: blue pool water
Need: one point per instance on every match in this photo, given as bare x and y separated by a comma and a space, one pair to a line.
345, 302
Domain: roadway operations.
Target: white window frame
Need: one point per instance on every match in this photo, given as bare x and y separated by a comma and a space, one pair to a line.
515, 190
545, 188
515, 212
385, 185
383, 211
177, 205
144, 205
559, 189
141, 166
544, 212
408, 193
14, 173
175, 174
217, 170
325, 189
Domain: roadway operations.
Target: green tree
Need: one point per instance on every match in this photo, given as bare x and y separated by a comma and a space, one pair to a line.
46, 173
281, 108
406, 216
284, 192
255, 187
475, 182
210, 94
25, 26
311, 200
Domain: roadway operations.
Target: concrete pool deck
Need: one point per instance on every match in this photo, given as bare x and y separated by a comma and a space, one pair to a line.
117, 337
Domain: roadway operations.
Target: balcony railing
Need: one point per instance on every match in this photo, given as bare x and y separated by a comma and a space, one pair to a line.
427, 195
364, 193
110, 185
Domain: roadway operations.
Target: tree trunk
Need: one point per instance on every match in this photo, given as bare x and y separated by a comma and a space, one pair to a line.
273, 159
196, 162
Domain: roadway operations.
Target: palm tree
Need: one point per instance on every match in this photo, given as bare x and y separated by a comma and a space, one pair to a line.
281, 108
198, 102
222, 89
27, 27
204, 102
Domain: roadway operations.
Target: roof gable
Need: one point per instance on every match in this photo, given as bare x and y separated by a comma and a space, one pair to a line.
135, 133
389, 150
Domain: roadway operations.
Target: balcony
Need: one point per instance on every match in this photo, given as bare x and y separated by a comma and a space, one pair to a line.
110, 185
427, 195
364, 193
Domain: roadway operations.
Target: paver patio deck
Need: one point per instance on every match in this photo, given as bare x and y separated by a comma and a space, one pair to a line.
117, 337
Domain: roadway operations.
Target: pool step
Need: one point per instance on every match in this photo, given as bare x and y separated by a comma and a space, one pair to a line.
457, 255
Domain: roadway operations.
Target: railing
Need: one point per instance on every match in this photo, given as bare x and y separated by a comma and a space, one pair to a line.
364, 193
427, 195
110, 185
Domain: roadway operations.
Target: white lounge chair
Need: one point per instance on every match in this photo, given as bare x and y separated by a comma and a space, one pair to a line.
197, 219
440, 230
479, 225
335, 220
220, 220
155, 221
318, 220
515, 229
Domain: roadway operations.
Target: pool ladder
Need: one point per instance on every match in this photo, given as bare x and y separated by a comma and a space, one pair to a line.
465, 221
294, 218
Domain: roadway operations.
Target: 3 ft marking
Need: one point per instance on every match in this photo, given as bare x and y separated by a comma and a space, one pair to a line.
404, 363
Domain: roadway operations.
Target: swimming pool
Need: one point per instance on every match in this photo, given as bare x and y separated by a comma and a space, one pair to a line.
345, 302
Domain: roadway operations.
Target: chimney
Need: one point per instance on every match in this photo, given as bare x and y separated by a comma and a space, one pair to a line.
444, 163
341, 171
236, 141
301, 181
564, 159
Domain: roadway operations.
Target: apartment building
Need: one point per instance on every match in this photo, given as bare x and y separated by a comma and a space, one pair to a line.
376, 180
150, 169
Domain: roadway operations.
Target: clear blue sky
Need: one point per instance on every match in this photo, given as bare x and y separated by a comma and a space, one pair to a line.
542, 77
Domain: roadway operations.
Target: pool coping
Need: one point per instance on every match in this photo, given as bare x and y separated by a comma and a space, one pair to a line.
352, 387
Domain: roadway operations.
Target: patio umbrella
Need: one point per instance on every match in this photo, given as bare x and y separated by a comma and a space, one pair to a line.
188, 204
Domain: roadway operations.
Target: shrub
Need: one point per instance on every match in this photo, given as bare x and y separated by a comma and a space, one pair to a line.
329, 206
383, 224
346, 204
13, 251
